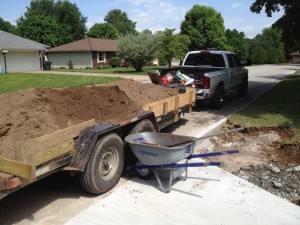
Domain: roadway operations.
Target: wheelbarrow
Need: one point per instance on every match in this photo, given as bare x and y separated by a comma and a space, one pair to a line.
163, 151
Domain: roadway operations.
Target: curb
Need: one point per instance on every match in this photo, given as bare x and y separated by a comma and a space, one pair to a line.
213, 127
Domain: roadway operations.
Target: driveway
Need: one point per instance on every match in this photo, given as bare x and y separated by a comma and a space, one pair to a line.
209, 195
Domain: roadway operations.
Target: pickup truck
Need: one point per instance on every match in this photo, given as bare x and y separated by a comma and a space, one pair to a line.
214, 74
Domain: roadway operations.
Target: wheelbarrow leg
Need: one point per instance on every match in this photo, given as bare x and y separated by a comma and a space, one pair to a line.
174, 173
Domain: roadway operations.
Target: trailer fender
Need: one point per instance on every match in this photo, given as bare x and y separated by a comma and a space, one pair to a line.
85, 144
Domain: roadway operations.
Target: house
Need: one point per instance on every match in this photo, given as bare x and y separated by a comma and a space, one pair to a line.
295, 57
85, 53
19, 54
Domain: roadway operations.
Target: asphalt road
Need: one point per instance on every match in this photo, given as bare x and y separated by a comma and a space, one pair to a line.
59, 197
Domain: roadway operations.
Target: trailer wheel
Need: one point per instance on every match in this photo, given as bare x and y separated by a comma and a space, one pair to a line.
105, 165
243, 88
143, 126
217, 100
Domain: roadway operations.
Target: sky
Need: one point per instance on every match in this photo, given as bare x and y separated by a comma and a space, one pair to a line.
156, 15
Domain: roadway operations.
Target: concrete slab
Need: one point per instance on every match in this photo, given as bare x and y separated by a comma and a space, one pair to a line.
210, 195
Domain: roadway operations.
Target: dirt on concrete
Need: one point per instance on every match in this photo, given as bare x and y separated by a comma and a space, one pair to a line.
32, 113
264, 158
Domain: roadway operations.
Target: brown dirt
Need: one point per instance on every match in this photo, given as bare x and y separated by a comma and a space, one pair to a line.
264, 159
35, 112
256, 146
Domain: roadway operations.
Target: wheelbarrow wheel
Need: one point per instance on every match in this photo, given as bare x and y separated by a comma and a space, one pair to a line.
105, 165
145, 174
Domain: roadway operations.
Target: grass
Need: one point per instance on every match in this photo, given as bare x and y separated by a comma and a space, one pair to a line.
122, 70
15, 81
278, 107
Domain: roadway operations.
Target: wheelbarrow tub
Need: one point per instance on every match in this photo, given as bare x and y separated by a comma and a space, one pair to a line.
153, 148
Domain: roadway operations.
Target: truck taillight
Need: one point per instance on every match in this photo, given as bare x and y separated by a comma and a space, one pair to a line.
206, 82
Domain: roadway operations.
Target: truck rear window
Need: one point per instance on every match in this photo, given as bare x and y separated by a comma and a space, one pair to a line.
205, 59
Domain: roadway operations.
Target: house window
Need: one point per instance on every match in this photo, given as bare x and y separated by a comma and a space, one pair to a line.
101, 57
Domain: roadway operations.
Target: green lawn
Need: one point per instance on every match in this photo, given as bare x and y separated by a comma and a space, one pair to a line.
15, 81
278, 107
122, 70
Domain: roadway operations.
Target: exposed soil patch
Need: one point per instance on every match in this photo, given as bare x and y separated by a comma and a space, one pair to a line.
35, 112
263, 159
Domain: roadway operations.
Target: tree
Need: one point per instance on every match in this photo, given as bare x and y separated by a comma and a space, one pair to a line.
63, 16
7, 26
46, 30
238, 42
269, 45
103, 30
205, 28
172, 46
289, 22
259, 55
137, 49
121, 21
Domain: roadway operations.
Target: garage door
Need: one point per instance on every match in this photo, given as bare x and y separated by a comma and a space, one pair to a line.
18, 61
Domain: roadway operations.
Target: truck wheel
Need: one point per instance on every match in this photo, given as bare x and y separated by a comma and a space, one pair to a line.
105, 165
243, 88
217, 100
143, 126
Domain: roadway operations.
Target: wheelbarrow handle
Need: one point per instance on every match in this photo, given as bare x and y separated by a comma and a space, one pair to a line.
209, 154
175, 165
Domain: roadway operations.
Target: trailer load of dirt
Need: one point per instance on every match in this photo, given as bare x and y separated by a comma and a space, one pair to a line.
32, 113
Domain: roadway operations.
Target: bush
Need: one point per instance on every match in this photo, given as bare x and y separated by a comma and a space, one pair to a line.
115, 62
70, 64
88, 68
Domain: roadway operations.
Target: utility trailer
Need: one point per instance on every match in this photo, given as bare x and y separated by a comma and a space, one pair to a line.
96, 151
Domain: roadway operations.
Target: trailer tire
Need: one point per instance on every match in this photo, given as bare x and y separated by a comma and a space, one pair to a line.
105, 165
217, 100
143, 126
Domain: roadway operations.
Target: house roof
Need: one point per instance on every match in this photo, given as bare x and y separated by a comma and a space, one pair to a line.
295, 53
88, 44
10, 41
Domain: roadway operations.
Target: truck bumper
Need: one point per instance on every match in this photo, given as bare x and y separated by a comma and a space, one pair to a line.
203, 94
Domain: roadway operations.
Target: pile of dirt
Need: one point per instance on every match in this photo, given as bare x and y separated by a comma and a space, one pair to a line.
35, 112
144, 93
263, 159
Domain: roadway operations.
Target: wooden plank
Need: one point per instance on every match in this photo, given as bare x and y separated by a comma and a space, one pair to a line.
165, 108
176, 116
15, 168
192, 96
42, 149
54, 151
25, 152
60, 136
158, 108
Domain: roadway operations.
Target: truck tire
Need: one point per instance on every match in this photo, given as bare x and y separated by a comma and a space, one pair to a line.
217, 100
143, 126
105, 165
243, 88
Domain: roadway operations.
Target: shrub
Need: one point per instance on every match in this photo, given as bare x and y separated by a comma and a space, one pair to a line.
70, 64
115, 62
